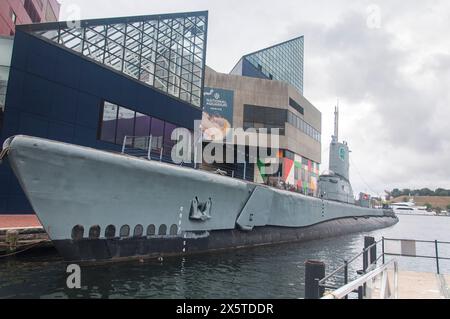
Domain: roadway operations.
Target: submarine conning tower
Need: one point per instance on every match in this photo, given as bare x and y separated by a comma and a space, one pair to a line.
335, 185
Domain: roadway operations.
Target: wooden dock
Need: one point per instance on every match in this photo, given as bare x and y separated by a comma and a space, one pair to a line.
21, 233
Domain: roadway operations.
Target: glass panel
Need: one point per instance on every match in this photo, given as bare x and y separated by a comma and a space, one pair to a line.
157, 132
142, 131
109, 122
282, 62
4, 74
142, 126
125, 124
168, 143
150, 50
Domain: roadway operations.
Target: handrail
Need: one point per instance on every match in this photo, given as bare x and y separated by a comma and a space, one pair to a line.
417, 241
346, 263
371, 258
345, 290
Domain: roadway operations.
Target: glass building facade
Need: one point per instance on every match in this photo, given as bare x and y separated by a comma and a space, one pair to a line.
118, 121
6, 45
283, 62
93, 82
166, 52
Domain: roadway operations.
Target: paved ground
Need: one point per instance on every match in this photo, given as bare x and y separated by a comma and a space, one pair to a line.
417, 285
19, 221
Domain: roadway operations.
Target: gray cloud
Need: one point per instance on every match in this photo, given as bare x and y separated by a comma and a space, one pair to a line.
397, 106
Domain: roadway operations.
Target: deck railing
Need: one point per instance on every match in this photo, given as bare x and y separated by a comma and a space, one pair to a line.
370, 258
408, 248
152, 148
367, 282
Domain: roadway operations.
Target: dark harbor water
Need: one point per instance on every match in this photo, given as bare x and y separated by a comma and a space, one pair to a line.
265, 272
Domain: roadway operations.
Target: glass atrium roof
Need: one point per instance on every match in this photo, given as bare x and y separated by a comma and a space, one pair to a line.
166, 52
283, 62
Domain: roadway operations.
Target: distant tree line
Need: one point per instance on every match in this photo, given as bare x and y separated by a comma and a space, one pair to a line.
419, 192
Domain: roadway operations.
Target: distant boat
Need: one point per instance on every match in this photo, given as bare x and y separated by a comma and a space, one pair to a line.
410, 208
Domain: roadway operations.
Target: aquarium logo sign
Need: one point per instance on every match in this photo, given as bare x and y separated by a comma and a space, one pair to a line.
218, 105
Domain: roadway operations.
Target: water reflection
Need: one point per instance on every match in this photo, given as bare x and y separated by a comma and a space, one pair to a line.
265, 272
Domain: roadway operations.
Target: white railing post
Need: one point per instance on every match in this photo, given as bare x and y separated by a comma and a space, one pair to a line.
149, 154
123, 145
350, 287
395, 280
245, 169
385, 290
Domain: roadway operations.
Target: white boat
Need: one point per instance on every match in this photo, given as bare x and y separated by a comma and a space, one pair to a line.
410, 208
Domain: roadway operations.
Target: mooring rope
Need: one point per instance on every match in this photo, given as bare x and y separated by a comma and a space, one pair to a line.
23, 250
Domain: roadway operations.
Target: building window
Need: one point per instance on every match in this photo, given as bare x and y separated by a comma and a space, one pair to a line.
109, 122
125, 124
301, 125
118, 122
94, 232
157, 133
41, 5
138, 231
264, 117
50, 14
13, 16
168, 143
162, 230
77, 232
151, 230
124, 231
32, 12
297, 106
1, 118
142, 124
110, 231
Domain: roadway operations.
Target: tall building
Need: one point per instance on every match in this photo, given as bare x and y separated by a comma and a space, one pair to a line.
95, 83
265, 90
15, 12
282, 62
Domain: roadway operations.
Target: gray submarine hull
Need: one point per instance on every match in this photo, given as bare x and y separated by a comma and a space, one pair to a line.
102, 206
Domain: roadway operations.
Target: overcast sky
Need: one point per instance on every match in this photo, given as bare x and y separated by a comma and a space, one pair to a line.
388, 62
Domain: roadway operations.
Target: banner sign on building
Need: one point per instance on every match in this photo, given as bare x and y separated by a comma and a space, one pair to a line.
217, 112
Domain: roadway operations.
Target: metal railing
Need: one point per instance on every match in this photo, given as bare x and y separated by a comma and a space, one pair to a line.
408, 249
152, 148
369, 255
370, 260
367, 280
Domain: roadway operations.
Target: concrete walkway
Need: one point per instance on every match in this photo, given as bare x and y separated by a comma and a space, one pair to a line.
417, 285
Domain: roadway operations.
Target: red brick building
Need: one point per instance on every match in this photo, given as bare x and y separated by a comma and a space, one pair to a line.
14, 12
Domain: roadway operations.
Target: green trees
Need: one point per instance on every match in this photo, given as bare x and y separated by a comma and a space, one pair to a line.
420, 192
442, 192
